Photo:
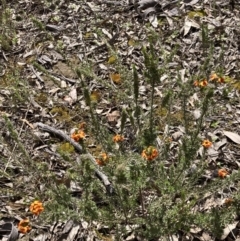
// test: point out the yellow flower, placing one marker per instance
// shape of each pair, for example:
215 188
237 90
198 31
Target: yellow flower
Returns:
102 160
150 153
206 143
77 136
36 207
23 226
222 173
118 138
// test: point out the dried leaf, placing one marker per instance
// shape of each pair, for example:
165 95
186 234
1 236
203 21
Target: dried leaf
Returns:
228 229
219 144
206 236
192 2
188 25
114 116
232 136
153 20
71 97
73 233
177 135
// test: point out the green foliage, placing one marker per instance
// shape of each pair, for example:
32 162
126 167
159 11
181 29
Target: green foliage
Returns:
38 23
7 30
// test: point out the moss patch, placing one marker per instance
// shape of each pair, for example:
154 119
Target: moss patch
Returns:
62 114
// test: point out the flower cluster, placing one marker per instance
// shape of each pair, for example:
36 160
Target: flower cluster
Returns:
36 207
150 153
204 82
23 226
222 173
206 143
78 135
118 138
103 159
215 77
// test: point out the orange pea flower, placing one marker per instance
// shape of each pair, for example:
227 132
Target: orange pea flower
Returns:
221 80
222 173
118 138
23 226
36 207
149 153
203 83
78 135
206 143
215 77
102 160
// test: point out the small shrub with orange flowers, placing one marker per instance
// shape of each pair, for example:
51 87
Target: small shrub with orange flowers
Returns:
159 182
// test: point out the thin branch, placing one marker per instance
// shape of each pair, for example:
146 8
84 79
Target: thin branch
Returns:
99 174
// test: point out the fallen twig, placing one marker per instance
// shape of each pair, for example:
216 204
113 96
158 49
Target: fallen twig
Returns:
36 73
99 174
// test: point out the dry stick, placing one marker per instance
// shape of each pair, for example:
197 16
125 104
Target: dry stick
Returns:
36 73
100 175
